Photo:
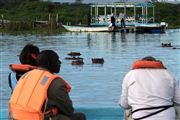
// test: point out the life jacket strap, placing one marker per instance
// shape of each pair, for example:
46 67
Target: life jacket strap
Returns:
51 112
151 108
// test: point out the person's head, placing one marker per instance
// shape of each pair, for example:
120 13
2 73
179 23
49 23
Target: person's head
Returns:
29 54
149 58
49 60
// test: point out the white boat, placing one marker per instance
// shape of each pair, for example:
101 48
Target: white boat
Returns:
99 22
150 27
79 28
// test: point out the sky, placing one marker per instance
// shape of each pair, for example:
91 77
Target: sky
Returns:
104 1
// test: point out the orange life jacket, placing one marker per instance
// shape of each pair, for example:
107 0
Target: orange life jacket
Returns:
19 70
139 64
21 67
30 94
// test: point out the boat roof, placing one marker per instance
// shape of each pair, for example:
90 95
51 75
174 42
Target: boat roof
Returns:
123 4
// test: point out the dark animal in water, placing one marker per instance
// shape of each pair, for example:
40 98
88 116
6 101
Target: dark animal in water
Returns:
73 58
166 45
98 60
77 62
74 54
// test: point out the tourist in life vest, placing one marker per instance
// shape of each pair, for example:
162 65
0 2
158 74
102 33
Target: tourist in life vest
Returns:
42 95
150 91
28 61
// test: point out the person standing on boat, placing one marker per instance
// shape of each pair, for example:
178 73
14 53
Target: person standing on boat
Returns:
151 91
113 21
122 19
42 95
28 61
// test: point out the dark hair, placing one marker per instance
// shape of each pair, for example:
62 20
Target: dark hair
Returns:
50 60
28 54
149 58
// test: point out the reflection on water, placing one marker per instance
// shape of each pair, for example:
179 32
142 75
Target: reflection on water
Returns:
123 37
93 85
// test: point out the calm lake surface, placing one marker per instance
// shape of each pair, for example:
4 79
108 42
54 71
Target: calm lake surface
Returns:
93 85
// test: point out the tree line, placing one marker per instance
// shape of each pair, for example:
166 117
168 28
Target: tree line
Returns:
27 11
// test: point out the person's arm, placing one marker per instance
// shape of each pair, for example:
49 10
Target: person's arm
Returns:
177 92
124 95
177 99
59 97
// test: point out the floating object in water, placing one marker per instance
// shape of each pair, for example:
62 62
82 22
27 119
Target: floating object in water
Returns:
74 54
73 58
98 60
166 45
176 48
77 62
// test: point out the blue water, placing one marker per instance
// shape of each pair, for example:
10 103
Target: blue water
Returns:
93 85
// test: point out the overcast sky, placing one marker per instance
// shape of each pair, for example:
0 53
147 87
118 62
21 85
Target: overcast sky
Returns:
103 1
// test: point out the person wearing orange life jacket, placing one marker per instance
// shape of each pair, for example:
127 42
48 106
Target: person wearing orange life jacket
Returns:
28 61
40 94
150 90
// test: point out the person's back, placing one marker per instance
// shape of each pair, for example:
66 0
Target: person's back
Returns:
27 58
150 91
151 88
113 20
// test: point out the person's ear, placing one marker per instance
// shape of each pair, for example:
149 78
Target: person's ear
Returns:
34 56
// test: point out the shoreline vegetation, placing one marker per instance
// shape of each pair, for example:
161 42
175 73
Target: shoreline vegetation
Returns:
37 17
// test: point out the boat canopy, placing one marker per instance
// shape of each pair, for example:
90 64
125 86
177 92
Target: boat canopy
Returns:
117 4
141 16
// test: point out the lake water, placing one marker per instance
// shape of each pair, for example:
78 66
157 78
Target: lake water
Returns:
93 85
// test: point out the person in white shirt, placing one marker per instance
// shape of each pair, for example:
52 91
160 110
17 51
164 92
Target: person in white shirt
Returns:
150 91
122 18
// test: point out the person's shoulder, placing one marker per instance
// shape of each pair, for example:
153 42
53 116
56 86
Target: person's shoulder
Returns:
56 84
171 74
129 73
134 72
58 81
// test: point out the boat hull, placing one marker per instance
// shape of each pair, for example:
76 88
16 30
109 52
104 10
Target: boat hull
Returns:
150 28
142 29
87 28
138 27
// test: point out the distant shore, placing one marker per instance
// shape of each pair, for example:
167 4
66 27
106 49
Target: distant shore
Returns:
24 13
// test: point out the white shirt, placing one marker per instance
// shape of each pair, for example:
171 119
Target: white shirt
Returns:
121 15
144 88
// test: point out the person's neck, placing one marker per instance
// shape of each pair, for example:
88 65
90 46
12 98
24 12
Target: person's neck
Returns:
43 68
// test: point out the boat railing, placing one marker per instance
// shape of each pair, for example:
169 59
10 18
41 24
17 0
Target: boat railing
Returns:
107 19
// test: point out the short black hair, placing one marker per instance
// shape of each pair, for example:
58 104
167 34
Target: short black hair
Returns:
47 59
26 54
149 58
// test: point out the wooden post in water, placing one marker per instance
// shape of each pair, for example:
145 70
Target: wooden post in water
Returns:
2 20
49 18
56 20
50 21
